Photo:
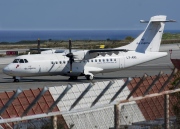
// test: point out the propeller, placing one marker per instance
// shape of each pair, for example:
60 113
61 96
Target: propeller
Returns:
70 56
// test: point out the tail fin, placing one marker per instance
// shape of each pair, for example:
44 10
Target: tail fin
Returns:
150 39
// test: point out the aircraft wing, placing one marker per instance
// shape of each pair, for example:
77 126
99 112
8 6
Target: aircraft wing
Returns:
89 54
107 50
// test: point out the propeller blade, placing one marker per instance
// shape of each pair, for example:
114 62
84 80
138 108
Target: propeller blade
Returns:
70 46
70 62
70 56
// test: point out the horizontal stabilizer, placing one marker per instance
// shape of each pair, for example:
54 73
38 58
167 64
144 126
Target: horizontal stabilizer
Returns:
143 21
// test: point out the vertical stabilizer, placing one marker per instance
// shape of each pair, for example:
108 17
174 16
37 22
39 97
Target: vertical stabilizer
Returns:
150 39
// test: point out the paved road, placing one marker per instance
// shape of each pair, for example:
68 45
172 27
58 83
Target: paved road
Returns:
151 68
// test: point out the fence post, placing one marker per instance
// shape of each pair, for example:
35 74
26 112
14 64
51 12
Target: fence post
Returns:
116 117
54 122
166 111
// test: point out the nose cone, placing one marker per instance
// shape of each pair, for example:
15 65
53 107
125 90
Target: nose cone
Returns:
6 70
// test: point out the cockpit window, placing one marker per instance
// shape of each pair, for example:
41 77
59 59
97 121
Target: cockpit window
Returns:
16 61
25 61
21 61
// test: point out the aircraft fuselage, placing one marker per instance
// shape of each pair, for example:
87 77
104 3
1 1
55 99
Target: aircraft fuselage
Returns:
58 64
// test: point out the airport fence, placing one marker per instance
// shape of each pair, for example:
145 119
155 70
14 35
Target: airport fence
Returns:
91 105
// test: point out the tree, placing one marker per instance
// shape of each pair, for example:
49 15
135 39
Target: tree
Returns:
129 38
176 95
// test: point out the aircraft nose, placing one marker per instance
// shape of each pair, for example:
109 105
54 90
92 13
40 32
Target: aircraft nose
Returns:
6 70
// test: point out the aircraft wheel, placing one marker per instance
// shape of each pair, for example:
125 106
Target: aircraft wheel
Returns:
73 78
89 77
16 80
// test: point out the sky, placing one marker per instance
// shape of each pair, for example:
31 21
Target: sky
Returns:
85 14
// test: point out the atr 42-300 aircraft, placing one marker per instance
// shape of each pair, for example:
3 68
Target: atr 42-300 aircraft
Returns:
89 62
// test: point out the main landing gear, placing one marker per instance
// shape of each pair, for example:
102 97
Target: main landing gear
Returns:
89 77
16 79
73 78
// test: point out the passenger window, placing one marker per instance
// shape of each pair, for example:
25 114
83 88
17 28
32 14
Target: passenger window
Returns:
99 60
56 62
51 62
64 62
114 59
16 61
107 60
59 62
25 61
21 61
95 60
110 59
91 60
103 60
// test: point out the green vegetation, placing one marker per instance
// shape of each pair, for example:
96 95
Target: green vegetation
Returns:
76 44
2 55
167 38
176 97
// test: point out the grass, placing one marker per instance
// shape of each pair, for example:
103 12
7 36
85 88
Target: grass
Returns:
78 44
167 38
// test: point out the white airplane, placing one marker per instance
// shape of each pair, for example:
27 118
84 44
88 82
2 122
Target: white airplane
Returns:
89 62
